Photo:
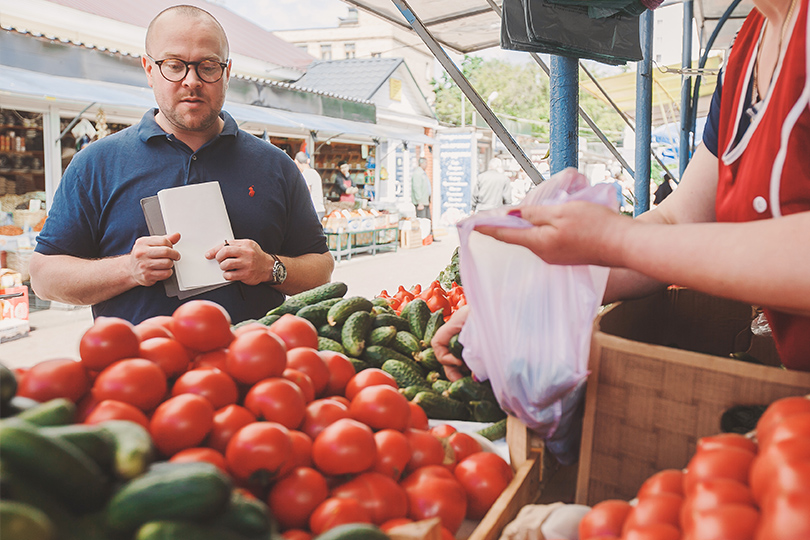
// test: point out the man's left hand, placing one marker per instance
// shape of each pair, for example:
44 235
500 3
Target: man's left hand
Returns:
242 260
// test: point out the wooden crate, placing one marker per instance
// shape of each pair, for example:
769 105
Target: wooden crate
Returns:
410 238
661 377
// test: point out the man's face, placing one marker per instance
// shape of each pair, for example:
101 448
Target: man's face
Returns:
345 169
189 105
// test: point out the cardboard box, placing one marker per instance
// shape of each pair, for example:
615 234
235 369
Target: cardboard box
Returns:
14 303
661 378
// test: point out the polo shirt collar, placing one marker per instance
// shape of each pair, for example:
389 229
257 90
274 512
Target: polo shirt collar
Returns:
149 128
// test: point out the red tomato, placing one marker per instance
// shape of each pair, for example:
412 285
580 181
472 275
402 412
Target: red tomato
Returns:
146 331
296 534
463 445
341 399
202 325
136 381
215 359
277 400
433 493
656 531
484 476
711 494
110 409
606 518
255 356
765 465
419 419
785 517
368 377
307 360
302 449
726 439
57 378
321 413
655 509
227 421
250 327
344 447
293 498
443 431
167 353
214 385
789 477
724 522
776 412
181 422
84 407
258 451
438 301
108 340
425 450
393 453
380 495
728 462
336 511
341 371
166 321
295 332
381 407
794 426
303 381
396 522
208 455
666 481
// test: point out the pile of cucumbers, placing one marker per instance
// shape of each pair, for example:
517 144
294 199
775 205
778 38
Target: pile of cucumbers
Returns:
373 335
60 480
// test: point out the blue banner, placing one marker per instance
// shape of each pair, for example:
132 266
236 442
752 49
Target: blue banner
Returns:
456 151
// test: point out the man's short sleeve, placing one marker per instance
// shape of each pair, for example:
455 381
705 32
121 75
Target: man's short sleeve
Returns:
713 119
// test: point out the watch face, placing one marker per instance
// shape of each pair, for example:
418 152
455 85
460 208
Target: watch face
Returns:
279 272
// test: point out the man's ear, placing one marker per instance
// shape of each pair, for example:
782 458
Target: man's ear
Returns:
147 68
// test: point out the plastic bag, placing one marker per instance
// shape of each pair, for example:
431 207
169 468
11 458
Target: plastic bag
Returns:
530 322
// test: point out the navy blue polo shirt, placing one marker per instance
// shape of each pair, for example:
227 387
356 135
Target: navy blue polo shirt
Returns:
96 210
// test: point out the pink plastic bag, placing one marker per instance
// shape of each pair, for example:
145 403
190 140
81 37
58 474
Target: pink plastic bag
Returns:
530 322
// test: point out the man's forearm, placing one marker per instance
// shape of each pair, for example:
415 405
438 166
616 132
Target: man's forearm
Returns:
76 281
306 272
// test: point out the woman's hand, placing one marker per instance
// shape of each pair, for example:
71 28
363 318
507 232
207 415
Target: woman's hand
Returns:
441 344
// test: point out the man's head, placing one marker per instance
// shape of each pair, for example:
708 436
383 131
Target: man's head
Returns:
423 162
189 34
343 165
494 164
302 161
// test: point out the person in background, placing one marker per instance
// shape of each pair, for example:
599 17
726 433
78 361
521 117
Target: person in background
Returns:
738 226
313 180
343 182
420 190
95 248
493 188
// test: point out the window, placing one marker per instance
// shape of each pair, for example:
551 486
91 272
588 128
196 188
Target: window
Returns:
326 51
395 89
376 55
303 47
350 50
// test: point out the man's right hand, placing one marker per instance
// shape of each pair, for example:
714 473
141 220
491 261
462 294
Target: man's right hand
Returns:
420 206
441 344
152 258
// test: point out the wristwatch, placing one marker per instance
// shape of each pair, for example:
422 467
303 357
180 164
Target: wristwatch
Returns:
279 272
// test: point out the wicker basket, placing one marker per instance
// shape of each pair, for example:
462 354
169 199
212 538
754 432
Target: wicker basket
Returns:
19 261
27 219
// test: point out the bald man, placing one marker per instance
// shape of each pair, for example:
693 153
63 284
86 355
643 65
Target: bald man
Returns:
96 248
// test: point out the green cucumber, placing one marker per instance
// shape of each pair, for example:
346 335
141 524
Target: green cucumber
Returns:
243 323
8 385
246 515
380 301
341 311
326 344
441 407
21 521
290 305
16 405
404 374
336 289
174 529
390 319
379 310
406 343
456 348
316 313
494 431
427 359
92 439
331 332
382 335
54 412
134 450
268 319
376 355
353 334
486 411
418 316
435 321
359 365
354 531
410 391
440 385
466 389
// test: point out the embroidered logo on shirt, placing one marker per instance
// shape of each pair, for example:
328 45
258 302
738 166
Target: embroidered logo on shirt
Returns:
251 191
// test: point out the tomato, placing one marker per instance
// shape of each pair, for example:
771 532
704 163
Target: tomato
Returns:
606 518
249 327
419 419
785 517
765 465
789 477
396 522
293 498
654 509
321 413
433 493
258 451
165 321
255 356
336 511
181 422
368 377
277 400
167 353
726 439
425 450
212 384
438 301
380 495
295 331
341 371
728 462
656 531
711 494
778 411
443 431
202 325
307 360
57 378
381 407
463 445
108 340
136 381
302 381
215 359
344 447
484 476
794 426
302 449
110 409
146 331
208 455
724 522
393 453
666 481
296 534
227 421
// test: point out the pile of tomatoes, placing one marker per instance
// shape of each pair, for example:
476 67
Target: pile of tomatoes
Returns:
292 425
733 488
435 296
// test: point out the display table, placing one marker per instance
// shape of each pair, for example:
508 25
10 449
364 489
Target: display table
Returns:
347 243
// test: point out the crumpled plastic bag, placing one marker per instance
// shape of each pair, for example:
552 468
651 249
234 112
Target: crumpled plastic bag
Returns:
530 322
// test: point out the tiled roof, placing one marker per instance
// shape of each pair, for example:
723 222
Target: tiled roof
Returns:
356 78
245 37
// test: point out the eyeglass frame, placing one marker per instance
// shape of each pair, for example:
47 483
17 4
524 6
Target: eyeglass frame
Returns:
159 64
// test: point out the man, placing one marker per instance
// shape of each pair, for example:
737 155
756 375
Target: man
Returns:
96 248
313 180
420 190
493 188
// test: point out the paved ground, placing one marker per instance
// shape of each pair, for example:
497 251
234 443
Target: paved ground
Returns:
56 332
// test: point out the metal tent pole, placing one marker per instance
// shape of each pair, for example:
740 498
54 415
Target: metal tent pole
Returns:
685 146
644 116
563 130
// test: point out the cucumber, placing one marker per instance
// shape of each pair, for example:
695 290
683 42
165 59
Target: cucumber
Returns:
290 305
427 359
466 389
456 348
354 531
379 310
336 289
246 515
380 301
359 365
486 411
494 431
406 343
418 316
16 405
134 450
316 313
243 323
441 407
92 439
53 462
267 320
411 391
353 334
390 319
168 529
404 374
331 332
54 412
376 355
435 321
174 491
440 385
21 521
382 335
341 311
8 385
326 344
19 487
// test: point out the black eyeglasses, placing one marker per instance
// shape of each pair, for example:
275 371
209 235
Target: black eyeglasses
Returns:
175 70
